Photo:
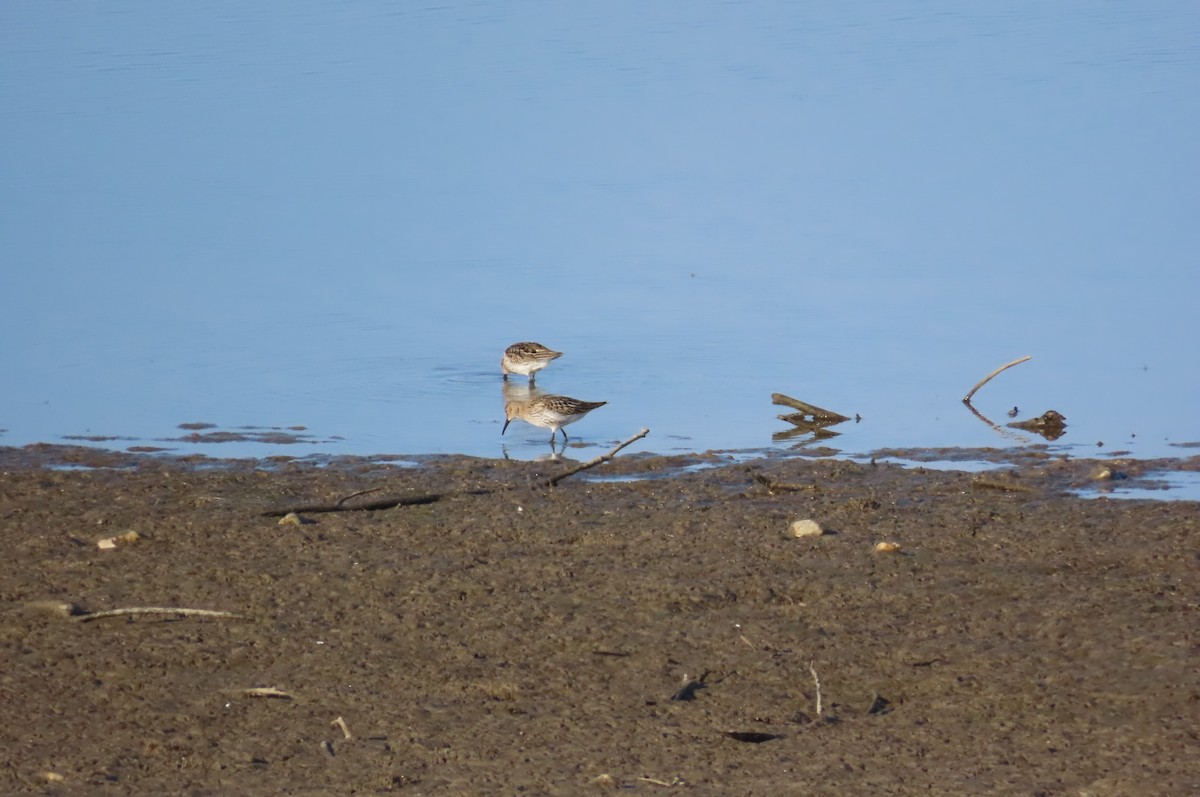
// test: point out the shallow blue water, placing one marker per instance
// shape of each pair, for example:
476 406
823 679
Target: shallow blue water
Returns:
336 216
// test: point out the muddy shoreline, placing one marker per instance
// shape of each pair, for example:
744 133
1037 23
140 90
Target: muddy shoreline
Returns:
512 638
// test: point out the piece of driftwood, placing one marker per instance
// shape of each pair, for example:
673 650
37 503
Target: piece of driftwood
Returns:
431 498
1051 425
808 412
989 377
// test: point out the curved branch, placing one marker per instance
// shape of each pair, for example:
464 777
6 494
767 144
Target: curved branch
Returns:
988 378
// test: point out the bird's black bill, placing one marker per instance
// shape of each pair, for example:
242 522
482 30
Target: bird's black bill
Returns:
506 423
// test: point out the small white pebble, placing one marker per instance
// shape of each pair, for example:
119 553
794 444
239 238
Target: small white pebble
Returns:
108 543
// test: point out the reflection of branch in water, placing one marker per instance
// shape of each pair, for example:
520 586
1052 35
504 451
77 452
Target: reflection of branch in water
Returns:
1050 425
989 377
1005 432
817 430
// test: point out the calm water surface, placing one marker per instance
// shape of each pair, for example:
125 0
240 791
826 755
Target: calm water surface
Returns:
335 216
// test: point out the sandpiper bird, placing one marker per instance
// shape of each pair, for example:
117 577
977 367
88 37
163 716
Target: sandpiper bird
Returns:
549 412
526 359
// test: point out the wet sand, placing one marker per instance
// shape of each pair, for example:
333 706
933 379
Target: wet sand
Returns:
512 638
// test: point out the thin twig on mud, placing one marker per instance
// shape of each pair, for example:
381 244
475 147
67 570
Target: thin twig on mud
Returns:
553 481
266 691
89 616
676 781
382 503
344 499
812 668
341 723
988 378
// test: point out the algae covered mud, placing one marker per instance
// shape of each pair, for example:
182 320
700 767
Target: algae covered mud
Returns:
652 625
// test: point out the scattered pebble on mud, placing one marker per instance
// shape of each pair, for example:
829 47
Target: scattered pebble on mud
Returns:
806 528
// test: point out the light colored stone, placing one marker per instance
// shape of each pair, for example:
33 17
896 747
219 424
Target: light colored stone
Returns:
805 528
108 543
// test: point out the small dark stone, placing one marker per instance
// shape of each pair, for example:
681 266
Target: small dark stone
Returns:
752 737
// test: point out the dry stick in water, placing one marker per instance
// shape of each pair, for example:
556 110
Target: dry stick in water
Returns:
84 618
988 378
805 408
551 482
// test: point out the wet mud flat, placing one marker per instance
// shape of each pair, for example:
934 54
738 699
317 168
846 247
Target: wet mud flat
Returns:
650 626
